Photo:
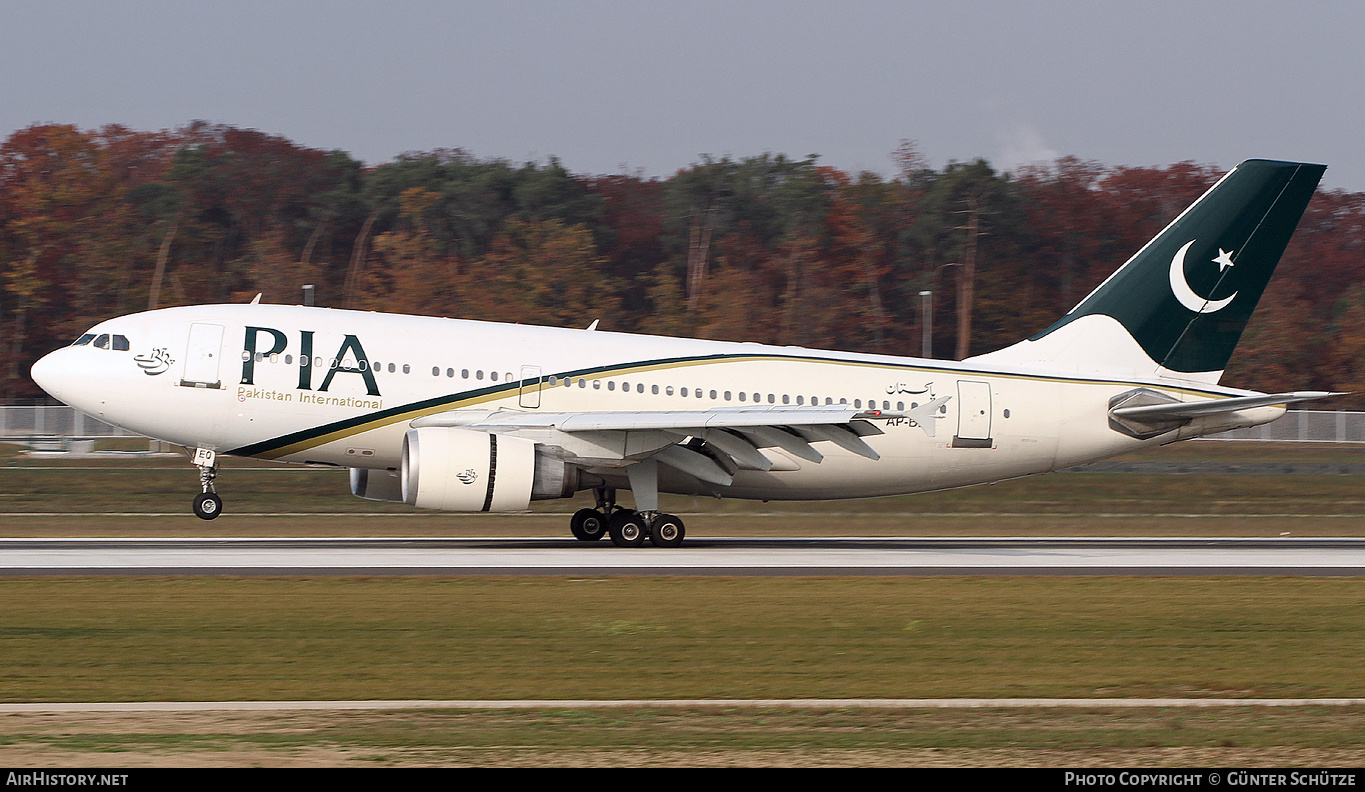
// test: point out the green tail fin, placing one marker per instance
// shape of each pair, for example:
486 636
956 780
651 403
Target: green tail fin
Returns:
1186 296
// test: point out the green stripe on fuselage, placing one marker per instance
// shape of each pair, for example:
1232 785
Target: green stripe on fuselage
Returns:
303 440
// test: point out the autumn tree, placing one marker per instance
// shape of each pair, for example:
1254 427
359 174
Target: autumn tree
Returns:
545 273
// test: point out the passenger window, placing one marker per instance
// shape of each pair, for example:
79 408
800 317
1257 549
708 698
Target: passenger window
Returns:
83 340
464 373
654 390
103 341
390 368
407 369
493 375
611 384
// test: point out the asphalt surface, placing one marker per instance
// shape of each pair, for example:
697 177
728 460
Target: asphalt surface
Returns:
699 556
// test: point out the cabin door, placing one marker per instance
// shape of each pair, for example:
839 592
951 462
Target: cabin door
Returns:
203 356
530 387
973 415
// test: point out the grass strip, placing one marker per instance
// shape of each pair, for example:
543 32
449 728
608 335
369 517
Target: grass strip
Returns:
222 638
1233 736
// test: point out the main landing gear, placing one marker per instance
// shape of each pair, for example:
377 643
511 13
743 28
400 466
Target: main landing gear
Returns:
207 504
626 527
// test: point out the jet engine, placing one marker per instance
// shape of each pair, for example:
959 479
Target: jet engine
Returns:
376 485
456 469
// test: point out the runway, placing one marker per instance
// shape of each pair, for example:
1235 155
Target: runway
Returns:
700 556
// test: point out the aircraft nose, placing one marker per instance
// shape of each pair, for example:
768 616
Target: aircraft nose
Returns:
48 373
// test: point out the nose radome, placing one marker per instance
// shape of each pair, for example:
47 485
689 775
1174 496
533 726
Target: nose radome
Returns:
47 372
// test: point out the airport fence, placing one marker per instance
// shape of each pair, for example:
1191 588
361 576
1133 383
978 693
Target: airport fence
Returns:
1305 426
55 428
60 426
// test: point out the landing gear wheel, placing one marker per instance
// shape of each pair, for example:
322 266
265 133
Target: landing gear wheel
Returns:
588 525
627 529
208 506
668 531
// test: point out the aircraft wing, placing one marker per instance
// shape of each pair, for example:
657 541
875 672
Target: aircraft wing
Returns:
708 444
1176 411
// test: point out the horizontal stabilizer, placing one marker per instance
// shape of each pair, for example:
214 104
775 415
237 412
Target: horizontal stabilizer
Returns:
1175 411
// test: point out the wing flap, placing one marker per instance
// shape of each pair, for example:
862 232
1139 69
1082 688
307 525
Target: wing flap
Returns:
709 445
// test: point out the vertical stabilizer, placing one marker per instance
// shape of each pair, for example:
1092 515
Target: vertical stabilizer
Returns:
1185 297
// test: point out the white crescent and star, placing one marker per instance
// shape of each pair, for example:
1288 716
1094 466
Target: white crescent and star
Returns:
1181 287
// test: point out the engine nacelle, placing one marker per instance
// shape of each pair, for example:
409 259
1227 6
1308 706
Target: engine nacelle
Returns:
456 469
376 485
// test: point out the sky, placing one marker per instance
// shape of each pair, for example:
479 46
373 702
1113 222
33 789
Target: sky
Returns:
632 87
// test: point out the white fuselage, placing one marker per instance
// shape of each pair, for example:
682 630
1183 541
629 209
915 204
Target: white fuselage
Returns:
189 377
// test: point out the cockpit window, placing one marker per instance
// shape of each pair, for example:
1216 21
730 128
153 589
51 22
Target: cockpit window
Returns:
120 343
83 340
103 341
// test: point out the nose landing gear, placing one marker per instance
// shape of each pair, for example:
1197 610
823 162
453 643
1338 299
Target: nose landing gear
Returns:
207 504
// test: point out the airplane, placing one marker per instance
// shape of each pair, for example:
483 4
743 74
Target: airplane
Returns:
469 416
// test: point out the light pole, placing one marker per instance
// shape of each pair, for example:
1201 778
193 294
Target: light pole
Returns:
926 324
